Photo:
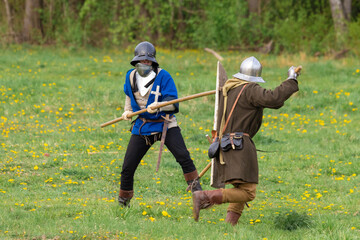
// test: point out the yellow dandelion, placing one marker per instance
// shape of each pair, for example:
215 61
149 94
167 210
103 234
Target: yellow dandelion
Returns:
165 214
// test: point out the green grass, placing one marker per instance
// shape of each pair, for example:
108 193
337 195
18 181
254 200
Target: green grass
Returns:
60 172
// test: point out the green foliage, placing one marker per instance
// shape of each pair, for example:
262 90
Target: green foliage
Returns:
293 26
354 36
300 26
291 220
224 25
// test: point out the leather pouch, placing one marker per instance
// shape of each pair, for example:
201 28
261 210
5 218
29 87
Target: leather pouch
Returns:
214 148
232 141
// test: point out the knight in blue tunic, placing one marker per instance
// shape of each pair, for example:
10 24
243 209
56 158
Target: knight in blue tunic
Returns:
146 86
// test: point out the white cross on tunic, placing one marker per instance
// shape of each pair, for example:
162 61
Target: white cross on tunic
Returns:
156 93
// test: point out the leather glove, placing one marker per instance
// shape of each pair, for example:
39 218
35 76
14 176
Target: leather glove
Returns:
124 115
154 104
292 74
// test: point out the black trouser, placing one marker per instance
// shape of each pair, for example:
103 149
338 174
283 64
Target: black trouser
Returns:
137 148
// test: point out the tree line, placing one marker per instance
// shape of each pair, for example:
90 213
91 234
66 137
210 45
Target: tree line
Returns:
316 27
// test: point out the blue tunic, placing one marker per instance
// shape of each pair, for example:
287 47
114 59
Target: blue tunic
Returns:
168 92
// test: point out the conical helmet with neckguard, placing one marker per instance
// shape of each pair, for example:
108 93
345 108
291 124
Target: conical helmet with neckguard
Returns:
250 70
144 51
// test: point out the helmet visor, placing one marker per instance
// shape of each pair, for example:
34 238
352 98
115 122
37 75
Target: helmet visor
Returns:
143 69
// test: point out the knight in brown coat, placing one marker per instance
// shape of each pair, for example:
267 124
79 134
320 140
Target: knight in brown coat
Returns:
238 165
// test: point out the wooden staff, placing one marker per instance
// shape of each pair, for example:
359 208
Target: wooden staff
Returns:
160 105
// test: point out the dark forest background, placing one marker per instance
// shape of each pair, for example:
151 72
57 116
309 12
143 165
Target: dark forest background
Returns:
270 26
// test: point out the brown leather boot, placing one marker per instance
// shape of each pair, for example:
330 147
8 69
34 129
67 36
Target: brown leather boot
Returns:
232 217
125 197
192 179
205 199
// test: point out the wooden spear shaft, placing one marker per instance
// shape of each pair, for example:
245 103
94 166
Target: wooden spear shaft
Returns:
297 70
161 105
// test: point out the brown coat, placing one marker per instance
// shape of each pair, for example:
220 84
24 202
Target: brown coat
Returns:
242 165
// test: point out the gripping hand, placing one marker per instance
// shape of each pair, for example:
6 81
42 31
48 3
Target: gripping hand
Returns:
292 74
124 115
149 108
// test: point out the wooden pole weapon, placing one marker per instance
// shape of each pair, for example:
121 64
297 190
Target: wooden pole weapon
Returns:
160 105
297 70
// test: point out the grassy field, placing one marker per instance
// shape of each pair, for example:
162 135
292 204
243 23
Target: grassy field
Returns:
60 172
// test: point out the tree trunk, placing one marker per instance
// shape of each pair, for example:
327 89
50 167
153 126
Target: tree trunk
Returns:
145 19
51 14
337 11
10 18
254 6
32 21
347 9
180 21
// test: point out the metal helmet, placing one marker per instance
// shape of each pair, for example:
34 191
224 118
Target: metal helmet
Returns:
144 51
250 70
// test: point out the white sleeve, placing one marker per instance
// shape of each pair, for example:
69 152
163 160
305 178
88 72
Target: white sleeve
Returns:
127 106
